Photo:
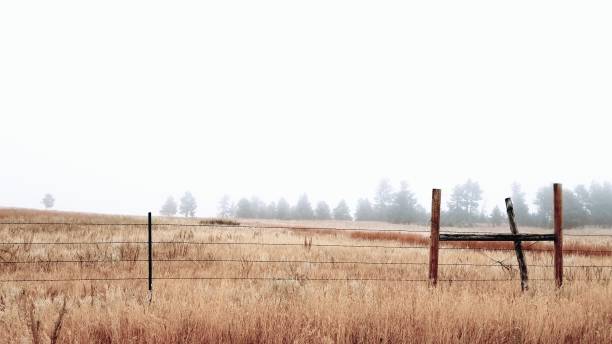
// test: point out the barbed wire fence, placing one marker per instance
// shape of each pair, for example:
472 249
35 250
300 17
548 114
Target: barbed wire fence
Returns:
151 243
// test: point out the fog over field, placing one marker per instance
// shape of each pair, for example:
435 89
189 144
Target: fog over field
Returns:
287 151
114 107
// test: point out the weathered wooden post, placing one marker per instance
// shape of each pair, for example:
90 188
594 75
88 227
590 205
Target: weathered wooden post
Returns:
434 237
558 224
517 246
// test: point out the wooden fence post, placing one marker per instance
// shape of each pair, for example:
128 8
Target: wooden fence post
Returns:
434 237
558 224
150 246
517 246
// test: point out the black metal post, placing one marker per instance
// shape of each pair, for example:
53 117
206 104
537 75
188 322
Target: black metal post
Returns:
150 258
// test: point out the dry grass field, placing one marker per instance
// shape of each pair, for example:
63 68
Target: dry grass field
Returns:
315 290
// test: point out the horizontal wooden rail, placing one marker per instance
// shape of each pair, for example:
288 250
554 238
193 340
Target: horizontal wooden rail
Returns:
497 237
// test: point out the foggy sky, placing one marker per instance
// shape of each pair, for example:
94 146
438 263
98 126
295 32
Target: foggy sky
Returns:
114 106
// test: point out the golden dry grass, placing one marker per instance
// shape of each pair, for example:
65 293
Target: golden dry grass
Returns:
295 310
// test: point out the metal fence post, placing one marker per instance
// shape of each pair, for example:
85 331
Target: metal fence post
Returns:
434 236
150 245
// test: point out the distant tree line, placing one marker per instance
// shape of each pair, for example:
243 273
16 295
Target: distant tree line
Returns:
397 206
282 210
583 206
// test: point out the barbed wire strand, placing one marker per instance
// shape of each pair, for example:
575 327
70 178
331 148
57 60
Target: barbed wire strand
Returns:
281 279
211 243
215 225
292 244
91 224
199 260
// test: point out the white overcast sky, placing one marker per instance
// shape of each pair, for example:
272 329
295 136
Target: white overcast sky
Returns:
111 106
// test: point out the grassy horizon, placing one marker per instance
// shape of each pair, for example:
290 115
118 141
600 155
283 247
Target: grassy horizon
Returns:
303 308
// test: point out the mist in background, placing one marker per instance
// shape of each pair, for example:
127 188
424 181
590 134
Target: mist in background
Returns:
113 107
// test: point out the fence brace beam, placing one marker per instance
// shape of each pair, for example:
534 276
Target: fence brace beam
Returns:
496 237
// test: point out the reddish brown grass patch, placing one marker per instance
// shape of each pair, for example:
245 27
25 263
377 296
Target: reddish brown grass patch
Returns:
422 240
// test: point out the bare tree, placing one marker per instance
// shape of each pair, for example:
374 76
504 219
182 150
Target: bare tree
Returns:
225 207
383 200
188 205
169 207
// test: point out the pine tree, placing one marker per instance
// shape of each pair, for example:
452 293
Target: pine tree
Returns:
543 201
322 212
244 209
303 209
364 211
600 204
283 209
342 212
521 209
258 208
403 208
464 203
270 212
496 216
574 213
